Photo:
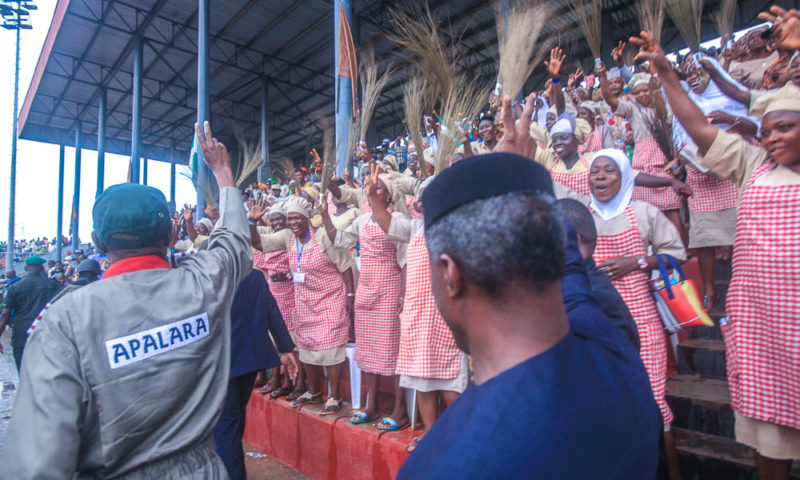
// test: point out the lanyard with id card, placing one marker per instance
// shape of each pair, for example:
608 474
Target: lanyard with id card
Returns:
298 276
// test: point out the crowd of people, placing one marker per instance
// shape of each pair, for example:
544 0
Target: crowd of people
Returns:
516 280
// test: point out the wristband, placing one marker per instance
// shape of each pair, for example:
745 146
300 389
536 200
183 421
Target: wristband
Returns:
556 80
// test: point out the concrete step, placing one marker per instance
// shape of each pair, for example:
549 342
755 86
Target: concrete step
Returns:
701 404
711 457
703 356
698 389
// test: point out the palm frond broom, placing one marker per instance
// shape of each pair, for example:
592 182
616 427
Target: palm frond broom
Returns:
687 17
724 17
589 15
651 17
519 46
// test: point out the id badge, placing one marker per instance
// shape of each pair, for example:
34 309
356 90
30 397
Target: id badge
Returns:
298 277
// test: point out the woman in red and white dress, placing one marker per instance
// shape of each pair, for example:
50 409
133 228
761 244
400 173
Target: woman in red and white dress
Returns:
762 338
275 266
647 156
601 136
378 300
567 167
324 291
429 361
625 230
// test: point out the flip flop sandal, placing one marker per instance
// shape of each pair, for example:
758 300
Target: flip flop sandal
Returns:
331 406
283 391
308 399
268 388
361 417
294 395
392 424
413 445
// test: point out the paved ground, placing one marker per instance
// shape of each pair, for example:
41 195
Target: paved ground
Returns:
261 466
8 384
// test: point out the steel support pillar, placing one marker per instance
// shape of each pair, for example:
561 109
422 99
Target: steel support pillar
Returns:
60 214
136 120
172 205
344 95
76 193
101 143
144 171
203 27
265 170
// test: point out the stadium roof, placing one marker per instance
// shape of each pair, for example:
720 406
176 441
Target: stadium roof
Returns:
290 42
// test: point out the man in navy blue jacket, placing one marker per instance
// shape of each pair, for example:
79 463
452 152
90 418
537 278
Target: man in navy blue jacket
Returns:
254 313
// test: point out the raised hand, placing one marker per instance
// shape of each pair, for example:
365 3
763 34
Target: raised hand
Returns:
215 155
651 51
785 27
187 212
557 57
371 188
517 138
616 53
258 209
315 155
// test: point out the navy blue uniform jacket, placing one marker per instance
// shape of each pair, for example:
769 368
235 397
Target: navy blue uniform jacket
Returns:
254 314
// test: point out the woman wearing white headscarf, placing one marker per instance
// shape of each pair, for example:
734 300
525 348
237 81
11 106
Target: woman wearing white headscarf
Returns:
567 166
625 230
647 155
763 301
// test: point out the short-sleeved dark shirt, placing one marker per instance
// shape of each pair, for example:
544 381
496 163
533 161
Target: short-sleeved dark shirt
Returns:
26 298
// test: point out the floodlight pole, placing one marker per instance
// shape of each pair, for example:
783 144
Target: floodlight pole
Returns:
12 189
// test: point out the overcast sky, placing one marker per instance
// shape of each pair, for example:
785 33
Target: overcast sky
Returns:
37 163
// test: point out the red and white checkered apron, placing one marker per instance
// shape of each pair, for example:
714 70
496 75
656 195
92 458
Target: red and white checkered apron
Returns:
321 320
649 159
365 206
380 285
410 202
635 291
763 339
711 193
427 346
278 263
577 182
593 143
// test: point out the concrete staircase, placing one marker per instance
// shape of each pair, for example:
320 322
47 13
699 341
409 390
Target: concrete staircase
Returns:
699 398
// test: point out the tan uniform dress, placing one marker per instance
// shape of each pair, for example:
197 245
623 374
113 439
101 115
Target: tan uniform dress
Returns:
126 377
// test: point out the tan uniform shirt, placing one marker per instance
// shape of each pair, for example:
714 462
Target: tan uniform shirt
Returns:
750 73
349 237
281 241
638 117
127 375
654 227
732 158
346 219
